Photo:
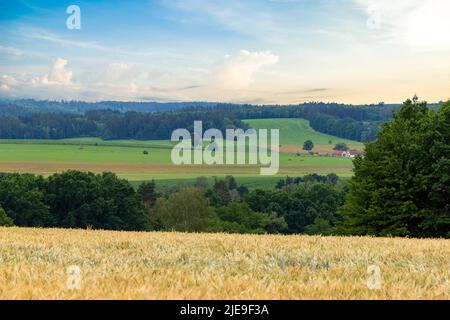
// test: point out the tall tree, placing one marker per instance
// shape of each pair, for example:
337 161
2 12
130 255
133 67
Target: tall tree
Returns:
402 185
147 192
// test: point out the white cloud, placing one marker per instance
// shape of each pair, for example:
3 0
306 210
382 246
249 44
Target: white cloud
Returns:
8 80
237 71
255 18
417 23
58 75
49 37
11 51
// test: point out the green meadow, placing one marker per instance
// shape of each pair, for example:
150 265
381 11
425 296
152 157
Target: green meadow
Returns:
297 131
128 159
60 151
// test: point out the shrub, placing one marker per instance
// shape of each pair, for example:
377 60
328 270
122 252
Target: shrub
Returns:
5 221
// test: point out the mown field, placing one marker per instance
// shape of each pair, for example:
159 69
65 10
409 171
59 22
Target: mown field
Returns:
297 131
126 158
36 264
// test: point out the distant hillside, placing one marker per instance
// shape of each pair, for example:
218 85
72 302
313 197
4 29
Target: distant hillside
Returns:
27 106
356 112
43 119
296 131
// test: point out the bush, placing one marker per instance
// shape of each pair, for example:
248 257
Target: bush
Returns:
341 147
239 216
5 221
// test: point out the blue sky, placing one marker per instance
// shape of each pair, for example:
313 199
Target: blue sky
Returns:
258 51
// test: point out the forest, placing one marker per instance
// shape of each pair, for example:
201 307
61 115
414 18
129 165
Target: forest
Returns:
30 119
77 199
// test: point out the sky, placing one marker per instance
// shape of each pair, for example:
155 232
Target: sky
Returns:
245 51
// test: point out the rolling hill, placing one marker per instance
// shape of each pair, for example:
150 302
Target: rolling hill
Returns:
297 131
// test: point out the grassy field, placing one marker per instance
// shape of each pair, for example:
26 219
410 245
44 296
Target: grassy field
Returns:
34 264
297 131
92 141
126 158
132 164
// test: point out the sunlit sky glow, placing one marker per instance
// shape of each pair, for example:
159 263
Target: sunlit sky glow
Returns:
255 51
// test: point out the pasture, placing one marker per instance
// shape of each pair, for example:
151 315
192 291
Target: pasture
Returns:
296 131
40 264
132 164
127 158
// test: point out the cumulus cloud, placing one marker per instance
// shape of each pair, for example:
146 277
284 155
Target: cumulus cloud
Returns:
418 23
56 84
59 75
237 71
7 82
230 79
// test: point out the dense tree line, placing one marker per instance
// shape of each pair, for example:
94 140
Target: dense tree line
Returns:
356 112
109 124
72 200
379 112
102 201
29 106
122 120
345 128
140 120
360 123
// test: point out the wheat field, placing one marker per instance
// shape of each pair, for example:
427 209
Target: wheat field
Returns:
87 264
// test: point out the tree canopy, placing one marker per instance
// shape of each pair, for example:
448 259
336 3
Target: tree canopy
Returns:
402 185
308 145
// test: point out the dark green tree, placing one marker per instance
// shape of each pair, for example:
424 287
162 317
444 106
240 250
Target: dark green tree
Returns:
101 201
147 192
308 145
231 181
340 146
402 185
22 198
220 194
